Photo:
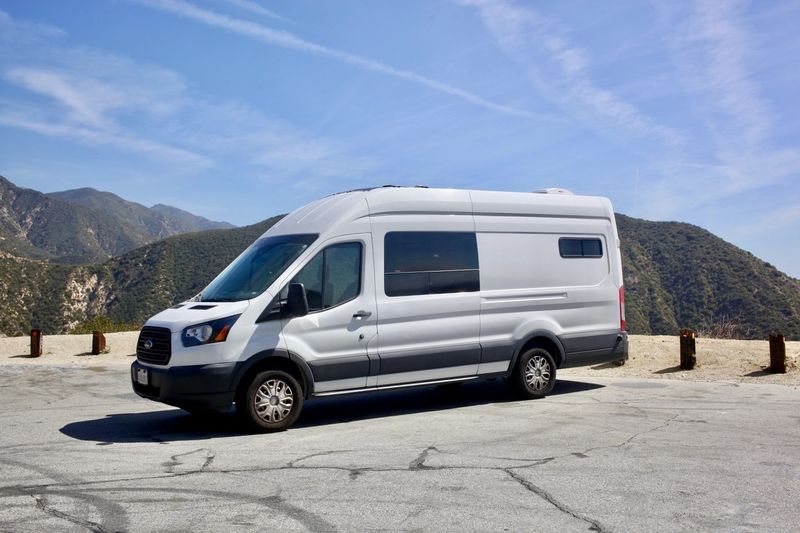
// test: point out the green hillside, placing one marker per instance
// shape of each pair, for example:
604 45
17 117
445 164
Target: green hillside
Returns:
129 288
676 275
29 294
152 278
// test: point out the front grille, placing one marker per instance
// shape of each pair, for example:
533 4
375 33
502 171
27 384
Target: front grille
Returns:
161 349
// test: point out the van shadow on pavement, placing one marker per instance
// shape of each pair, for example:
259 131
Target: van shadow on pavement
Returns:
176 425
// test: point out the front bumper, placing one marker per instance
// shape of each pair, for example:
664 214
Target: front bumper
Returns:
187 387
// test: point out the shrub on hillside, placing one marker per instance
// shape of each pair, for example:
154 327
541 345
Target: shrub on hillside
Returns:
104 324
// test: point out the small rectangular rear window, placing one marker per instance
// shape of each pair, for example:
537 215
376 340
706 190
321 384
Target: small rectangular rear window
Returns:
570 247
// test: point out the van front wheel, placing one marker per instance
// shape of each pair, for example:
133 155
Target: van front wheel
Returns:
535 374
271 402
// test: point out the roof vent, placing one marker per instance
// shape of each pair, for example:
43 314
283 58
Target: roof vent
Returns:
553 190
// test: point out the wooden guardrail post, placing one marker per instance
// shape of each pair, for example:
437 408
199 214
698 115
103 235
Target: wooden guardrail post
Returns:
688 359
98 342
777 354
36 342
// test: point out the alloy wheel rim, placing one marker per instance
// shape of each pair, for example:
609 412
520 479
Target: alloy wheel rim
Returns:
537 373
274 400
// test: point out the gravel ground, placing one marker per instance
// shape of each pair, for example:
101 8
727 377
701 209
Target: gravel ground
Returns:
650 357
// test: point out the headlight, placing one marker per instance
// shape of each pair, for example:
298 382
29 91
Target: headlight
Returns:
208 332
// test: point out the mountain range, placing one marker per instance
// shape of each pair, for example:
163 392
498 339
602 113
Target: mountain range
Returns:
676 276
84 225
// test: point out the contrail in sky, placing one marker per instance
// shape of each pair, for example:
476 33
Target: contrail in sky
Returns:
288 40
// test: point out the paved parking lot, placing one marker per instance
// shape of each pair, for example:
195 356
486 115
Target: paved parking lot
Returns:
79 451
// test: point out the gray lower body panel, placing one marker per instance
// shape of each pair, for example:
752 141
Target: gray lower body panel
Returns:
594 348
429 360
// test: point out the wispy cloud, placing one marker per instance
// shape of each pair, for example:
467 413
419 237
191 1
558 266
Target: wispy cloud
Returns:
254 7
288 40
86 100
94 87
22 119
714 49
26 31
273 149
560 69
97 99
785 217
714 52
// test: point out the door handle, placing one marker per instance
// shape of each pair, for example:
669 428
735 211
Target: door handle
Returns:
362 314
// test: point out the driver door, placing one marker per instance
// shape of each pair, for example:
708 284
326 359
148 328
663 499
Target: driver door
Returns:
333 337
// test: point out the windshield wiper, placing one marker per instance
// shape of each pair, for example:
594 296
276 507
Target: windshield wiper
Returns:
220 300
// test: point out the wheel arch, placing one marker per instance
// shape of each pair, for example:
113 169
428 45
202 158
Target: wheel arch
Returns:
542 338
275 360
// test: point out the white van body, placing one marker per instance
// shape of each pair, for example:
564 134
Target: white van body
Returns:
545 271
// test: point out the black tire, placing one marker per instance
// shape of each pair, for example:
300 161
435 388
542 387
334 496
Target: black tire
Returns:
276 412
535 373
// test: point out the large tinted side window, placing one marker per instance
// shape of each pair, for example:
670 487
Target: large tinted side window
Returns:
333 276
430 262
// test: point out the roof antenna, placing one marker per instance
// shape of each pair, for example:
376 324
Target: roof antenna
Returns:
553 190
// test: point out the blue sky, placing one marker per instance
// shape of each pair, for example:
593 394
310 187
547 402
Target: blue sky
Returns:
240 109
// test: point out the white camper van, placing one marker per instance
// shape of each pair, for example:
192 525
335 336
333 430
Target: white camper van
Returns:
395 287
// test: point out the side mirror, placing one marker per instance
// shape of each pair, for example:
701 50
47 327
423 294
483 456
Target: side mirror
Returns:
296 301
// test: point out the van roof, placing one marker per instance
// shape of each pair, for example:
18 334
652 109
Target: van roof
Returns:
322 216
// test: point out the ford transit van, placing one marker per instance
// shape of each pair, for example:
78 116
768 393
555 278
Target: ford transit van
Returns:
395 287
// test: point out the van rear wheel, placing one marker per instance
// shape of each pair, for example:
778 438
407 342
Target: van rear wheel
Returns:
271 402
535 374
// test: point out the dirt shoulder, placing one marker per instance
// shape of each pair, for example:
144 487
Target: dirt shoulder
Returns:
70 350
650 357
717 360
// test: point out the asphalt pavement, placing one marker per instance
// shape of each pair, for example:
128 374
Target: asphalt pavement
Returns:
79 451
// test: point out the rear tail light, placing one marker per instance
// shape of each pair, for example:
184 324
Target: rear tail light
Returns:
622 308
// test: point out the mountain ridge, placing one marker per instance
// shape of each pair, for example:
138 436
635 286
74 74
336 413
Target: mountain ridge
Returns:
84 225
159 221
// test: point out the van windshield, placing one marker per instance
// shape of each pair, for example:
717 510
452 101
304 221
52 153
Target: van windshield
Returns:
255 270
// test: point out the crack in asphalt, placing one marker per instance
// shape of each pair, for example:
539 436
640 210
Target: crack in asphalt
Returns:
41 504
175 462
281 505
629 439
419 462
318 454
110 512
594 525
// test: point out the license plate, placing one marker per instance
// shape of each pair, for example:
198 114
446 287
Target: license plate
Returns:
141 376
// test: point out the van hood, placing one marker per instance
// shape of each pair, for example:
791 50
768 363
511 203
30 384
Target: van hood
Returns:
185 314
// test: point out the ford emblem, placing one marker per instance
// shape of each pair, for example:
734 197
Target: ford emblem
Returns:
148 344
